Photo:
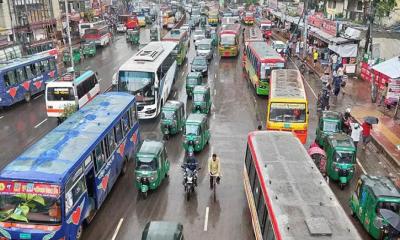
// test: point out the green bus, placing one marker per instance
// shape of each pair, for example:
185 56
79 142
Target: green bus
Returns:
182 38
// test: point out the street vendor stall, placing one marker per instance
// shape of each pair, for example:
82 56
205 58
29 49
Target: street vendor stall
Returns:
388 72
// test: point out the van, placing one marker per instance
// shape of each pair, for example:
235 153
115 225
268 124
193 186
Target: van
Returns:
205 48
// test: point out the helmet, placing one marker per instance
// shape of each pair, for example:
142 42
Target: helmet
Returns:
348 110
356 125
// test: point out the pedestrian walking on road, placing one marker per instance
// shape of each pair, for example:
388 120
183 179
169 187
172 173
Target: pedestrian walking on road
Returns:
337 83
315 56
356 131
366 133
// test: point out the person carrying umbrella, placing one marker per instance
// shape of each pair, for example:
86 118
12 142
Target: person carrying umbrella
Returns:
367 127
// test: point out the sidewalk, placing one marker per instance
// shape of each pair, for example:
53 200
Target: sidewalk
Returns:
385 134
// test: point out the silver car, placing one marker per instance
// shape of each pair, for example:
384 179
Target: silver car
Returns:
205 48
198 35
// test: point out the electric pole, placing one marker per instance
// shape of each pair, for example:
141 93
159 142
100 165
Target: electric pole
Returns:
69 37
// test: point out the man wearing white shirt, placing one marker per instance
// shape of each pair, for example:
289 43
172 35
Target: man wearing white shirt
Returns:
356 131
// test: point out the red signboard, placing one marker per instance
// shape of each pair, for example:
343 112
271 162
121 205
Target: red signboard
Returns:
9 187
318 21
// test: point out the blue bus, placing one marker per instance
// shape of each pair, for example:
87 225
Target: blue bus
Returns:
23 77
59 183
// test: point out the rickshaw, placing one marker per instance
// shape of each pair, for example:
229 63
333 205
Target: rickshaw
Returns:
329 123
132 36
214 36
89 49
172 118
154 34
163 230
318 155
76 55
152 166
372 194
197 133
193 79
341 158
201 99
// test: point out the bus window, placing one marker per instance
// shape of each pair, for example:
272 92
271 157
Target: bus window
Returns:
10 79
29 72
60 94
133 116
111 141
118 132
125 123
74 194
45 66
52 65
99 157
21 76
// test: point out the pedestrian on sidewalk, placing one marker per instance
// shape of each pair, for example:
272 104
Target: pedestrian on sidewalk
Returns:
315 56
383 94
366 133
356 131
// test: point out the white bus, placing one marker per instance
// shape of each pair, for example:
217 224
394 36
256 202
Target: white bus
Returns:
68 91
149 75
83 26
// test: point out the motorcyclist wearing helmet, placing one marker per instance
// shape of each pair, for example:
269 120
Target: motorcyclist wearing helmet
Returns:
191 164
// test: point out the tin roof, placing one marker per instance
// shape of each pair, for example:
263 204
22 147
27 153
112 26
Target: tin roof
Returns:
381 186
59 153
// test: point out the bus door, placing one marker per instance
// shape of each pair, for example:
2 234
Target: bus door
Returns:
90 180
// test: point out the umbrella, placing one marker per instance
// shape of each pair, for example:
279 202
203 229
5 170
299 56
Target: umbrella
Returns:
371 120
392 218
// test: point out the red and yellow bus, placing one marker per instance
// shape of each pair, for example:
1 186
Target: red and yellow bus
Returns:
248 18
259 60
266 28
228 44
288 105
287 196
252 34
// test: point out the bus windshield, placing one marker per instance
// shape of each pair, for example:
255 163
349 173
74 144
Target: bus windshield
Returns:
227 39
140 84
265 27
30 208
60 94
91 31
288 112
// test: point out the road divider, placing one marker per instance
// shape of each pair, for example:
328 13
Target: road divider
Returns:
38 125
206 219
117 229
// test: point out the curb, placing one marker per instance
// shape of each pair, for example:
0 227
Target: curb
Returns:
382 149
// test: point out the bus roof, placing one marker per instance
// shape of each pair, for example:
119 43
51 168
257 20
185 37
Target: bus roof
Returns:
287 83
173 35
54 157
253 34
381 186
5 65
265 53
230 29
149 58
303 205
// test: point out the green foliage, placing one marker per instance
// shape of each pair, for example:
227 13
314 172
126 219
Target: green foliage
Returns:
68 110
339 16
384 7
20 212
89 15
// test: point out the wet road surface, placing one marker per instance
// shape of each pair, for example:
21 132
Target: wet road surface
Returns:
236 111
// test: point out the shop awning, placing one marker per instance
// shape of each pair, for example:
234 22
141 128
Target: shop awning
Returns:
326 37
390 68
345 50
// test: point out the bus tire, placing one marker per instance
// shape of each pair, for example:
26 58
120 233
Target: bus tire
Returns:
27 97
79 232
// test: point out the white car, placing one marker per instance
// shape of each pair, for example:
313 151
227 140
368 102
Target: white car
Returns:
121 27
185 27
279 46
198 35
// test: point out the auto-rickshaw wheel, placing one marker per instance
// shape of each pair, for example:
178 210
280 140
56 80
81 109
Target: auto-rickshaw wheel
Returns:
144 195
27 97
341 185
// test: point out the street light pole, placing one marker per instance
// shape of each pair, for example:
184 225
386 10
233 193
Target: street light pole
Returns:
69 36
305 46
159 20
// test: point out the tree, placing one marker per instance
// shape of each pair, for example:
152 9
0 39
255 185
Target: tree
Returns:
384 7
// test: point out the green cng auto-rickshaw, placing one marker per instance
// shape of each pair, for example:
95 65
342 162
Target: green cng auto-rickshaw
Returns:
370 196
153 34
197 133
132 36
193 79
163 230
328 124
341 158
172 118
76 55
201 99
152 166
89 49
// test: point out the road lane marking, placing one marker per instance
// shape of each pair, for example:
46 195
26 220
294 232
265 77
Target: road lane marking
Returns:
38 96
206 219
215 92
174 94
362 168
87 67
213 115
215 76
1 117
37 125
182 74
117 229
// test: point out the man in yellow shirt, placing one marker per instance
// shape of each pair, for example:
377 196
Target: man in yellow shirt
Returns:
214 168
315 56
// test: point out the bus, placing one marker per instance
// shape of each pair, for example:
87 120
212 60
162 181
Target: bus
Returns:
266 28
182 39
287 196
67 90
252 34
228 44
287 106
58 184
83 26
259 60
149 75
43 47
23 77
131 22
100 35
248 18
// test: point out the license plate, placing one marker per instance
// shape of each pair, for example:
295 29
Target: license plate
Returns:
25 236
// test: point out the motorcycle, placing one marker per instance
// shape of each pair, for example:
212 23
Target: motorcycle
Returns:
189 180
323 101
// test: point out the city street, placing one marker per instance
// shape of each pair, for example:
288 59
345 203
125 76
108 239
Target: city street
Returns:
236 111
